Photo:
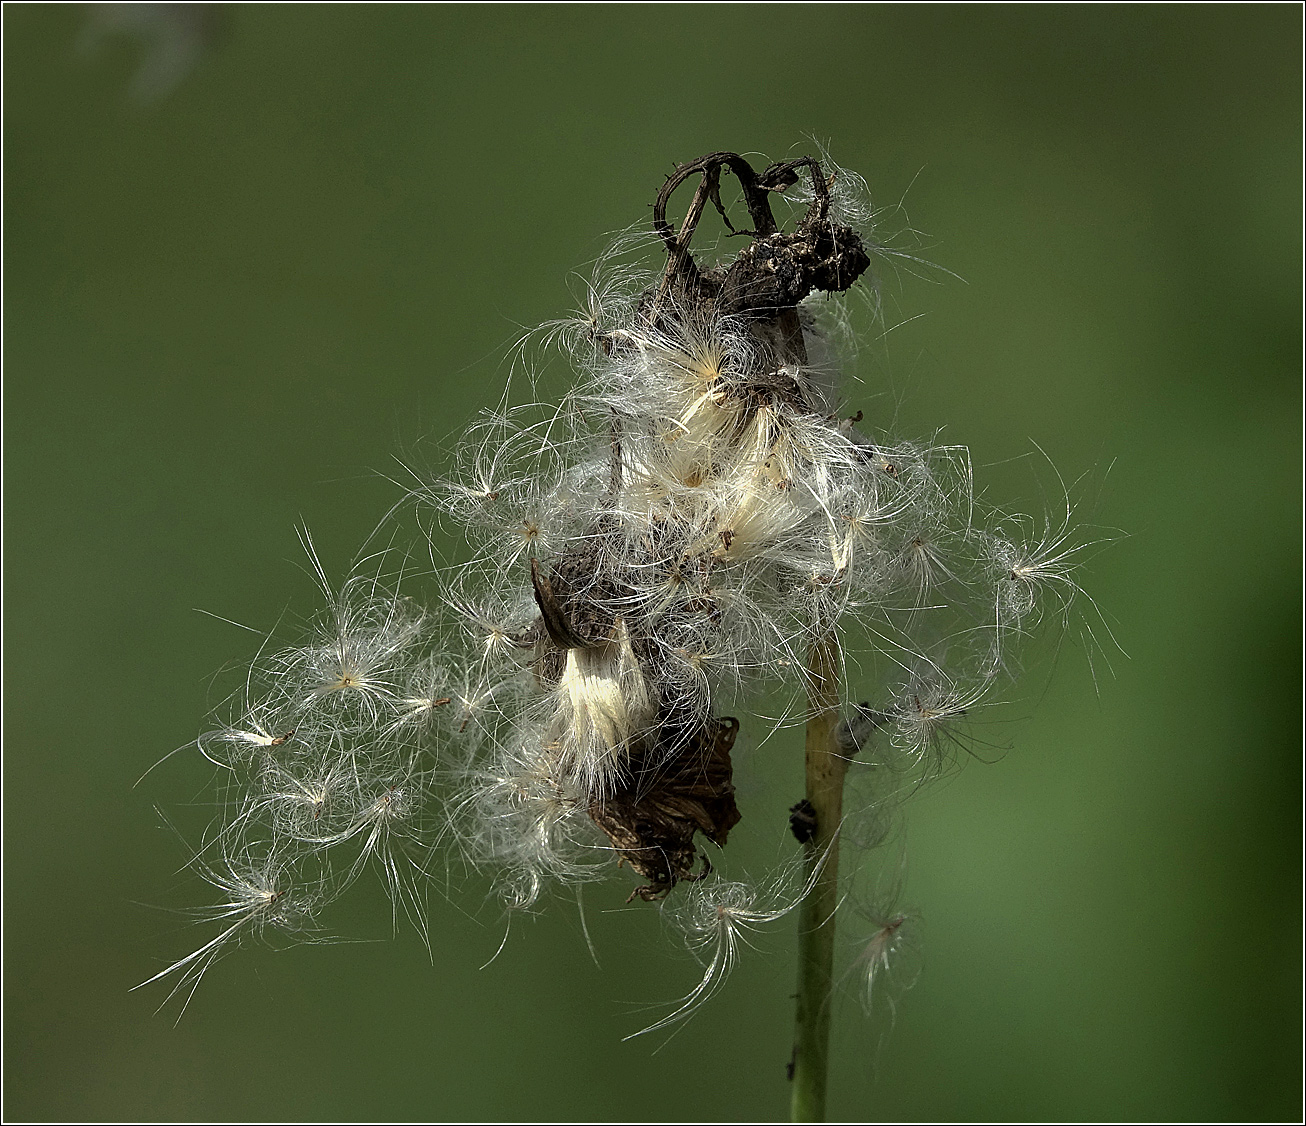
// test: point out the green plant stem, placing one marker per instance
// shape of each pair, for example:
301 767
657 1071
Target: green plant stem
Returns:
816 919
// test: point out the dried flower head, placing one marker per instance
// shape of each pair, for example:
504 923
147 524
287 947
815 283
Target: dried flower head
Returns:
670 542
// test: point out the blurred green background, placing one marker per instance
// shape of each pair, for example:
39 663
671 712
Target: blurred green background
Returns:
237 290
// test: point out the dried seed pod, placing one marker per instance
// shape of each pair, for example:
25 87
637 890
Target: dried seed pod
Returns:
652 820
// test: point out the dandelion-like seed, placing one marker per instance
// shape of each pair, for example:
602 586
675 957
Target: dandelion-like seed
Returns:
879 959
716 917
258 894
698 524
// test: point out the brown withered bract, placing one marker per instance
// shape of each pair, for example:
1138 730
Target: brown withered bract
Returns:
652 823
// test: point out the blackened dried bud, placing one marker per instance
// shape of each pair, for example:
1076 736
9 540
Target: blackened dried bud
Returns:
652 819
857 727
780 271
802 821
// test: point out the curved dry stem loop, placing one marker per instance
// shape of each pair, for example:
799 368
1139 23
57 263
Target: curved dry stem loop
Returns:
777 177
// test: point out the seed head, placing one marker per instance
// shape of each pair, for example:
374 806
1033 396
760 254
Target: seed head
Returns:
647 559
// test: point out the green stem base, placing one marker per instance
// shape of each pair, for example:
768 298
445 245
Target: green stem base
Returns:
816 919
